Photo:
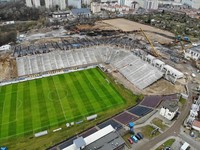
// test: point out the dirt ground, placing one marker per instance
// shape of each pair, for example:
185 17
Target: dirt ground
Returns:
153 33
98 25
8 67
164 87
161 87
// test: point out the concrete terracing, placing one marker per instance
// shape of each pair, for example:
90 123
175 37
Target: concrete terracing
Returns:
137 71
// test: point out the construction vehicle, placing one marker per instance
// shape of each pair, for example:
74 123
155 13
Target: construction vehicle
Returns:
153 50
185 39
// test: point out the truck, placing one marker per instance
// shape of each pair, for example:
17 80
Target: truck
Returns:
185 146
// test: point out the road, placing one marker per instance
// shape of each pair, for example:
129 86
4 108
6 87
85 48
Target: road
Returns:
174 130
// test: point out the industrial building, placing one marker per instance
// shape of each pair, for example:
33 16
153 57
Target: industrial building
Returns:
104 139
169 109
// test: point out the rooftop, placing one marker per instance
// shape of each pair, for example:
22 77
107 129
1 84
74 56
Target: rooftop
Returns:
196 123
171 105
195 48
175 71
79 142
93 137
108 142
80 11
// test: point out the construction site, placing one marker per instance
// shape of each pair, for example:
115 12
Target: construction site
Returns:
144 59
103 42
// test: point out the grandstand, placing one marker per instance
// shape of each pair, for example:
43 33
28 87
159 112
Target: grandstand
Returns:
137 71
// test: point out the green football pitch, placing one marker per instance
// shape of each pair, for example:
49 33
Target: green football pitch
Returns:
36 105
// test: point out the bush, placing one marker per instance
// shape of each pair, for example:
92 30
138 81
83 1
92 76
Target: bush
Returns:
7 37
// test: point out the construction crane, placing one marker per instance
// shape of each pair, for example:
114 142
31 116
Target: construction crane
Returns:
185 39
153 51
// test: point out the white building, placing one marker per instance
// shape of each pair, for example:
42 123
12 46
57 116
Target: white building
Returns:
29 3
169 109
193 3
150 4
36 3
62 4
193 53
146 4
5 47
48 3
171 2
95 7
121 2
86 2
93 137
155 62
60 14
74 3
172 71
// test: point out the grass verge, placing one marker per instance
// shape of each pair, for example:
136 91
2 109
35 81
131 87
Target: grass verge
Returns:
168 143
125 137
158 122
147 131
182 101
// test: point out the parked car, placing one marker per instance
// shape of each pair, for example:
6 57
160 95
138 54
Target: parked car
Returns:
137 137
134 139
130 140
140 135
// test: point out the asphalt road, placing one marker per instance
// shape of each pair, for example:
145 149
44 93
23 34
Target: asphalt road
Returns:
174 130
